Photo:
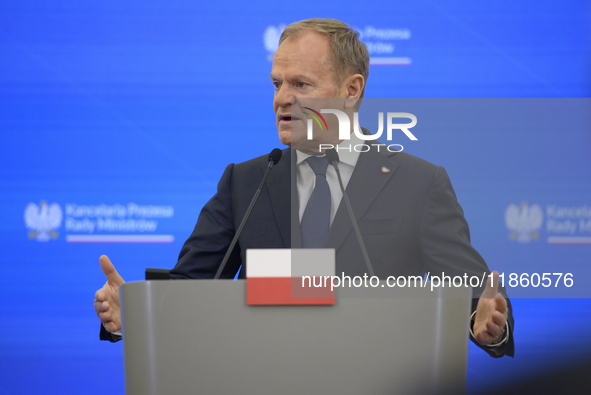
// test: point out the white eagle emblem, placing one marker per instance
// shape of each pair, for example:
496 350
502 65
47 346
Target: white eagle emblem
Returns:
42 220
524 222
271 39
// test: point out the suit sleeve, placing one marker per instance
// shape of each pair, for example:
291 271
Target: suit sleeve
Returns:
446 248
106 335
204 250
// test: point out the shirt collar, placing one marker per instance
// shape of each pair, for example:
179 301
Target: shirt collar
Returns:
347 155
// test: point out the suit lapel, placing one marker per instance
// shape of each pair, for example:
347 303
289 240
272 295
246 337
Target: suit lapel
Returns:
279 188
365 184
296 230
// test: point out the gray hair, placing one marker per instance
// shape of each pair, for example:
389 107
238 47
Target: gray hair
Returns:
348 54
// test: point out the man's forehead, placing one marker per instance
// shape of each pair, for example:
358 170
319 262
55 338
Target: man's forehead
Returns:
299 71
309 51
307 39
303 48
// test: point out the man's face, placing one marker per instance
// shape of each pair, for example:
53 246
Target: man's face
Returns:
301 69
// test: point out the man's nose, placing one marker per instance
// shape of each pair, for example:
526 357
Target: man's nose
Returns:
283 96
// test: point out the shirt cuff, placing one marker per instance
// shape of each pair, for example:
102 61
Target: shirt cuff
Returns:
116 333
500 342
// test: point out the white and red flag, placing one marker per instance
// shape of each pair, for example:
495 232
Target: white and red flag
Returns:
286 276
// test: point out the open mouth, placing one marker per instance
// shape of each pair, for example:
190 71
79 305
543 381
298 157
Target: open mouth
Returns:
288 119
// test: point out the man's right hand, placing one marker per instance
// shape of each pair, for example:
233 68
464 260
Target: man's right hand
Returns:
106 299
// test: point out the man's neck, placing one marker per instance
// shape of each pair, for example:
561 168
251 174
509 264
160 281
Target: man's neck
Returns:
345 149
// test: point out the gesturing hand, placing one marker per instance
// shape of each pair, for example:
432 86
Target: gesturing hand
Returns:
491 314
106 299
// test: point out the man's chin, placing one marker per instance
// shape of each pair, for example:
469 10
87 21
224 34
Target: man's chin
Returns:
298 141
285 137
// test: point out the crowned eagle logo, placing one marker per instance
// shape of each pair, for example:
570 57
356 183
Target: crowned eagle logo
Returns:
524 221
42 220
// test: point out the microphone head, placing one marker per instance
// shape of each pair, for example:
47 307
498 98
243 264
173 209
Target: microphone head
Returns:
275 155
332 155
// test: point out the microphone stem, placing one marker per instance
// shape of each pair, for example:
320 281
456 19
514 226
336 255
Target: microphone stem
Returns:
357 232
239 231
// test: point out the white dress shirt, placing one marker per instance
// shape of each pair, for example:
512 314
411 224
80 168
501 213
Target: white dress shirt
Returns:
307 181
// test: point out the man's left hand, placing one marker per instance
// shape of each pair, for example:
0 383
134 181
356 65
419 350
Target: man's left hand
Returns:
491 314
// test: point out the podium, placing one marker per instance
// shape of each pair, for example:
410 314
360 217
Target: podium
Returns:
200 337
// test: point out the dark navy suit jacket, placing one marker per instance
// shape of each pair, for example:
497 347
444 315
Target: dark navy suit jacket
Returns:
409 217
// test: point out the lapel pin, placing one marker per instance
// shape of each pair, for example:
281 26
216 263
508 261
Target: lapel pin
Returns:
385 169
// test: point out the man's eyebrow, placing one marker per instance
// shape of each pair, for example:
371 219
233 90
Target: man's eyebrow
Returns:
297 77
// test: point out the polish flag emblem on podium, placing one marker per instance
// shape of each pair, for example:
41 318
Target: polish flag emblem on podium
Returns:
290 276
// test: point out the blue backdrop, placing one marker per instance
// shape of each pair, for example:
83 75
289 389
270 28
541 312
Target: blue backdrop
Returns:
118 118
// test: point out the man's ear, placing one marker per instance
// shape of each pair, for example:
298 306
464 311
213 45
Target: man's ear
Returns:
353 86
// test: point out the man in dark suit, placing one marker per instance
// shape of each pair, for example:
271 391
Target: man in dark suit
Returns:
406 208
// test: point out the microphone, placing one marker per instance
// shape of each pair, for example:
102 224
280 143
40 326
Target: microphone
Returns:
273 158
333 159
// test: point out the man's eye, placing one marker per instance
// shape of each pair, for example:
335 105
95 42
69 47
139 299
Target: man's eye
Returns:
276 85
301 84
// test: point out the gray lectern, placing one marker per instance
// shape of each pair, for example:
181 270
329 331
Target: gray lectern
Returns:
200 337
